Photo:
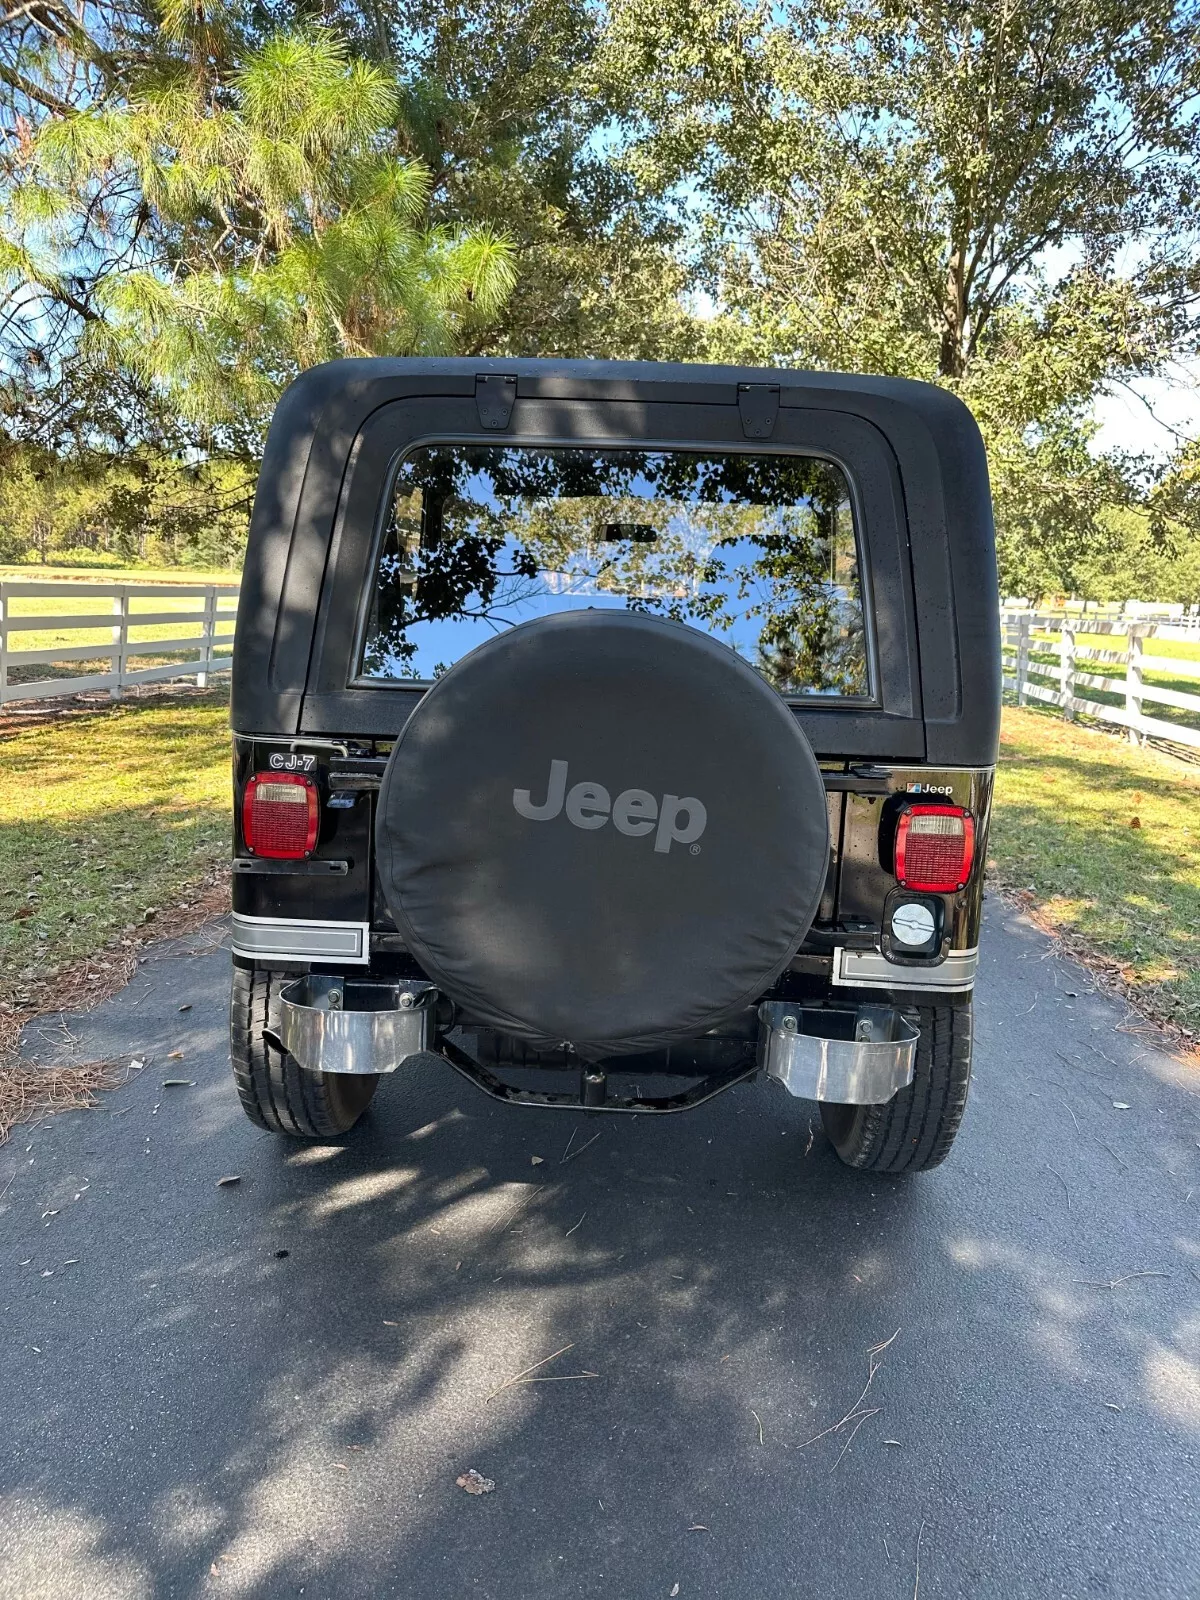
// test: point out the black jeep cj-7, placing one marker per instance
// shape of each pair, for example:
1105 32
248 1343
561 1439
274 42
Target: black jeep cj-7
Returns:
615 732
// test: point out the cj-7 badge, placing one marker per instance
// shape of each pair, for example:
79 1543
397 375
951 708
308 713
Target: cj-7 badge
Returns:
635 812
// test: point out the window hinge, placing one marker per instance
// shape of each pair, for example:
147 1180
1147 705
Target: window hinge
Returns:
494 396
759 406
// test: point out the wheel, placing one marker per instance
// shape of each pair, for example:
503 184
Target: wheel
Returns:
275 1091
914 1130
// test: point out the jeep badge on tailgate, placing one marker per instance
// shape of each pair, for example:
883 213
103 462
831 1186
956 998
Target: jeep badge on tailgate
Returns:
634 812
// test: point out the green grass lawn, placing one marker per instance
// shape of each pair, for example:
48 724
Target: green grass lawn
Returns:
104 571
110 816
106 818
1107 838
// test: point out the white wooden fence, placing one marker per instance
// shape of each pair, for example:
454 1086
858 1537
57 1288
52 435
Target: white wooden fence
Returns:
1050 658
200 617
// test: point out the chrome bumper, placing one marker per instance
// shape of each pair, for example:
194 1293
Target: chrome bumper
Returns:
859 1057
334 1024
855 1056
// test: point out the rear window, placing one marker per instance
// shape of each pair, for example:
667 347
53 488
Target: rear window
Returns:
761 551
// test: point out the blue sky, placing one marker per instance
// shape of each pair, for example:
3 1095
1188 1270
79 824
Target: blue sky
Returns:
1127 418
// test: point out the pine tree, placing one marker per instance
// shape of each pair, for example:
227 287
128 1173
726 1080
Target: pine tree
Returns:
268 219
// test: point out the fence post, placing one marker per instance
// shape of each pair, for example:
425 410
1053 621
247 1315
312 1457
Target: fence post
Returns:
207 634
1024 631
1066 652
120 639
1133 682
3 642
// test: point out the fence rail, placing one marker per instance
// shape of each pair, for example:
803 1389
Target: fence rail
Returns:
1049 658
190 638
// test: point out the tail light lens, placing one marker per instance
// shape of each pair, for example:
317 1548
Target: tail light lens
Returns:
935 846
280 815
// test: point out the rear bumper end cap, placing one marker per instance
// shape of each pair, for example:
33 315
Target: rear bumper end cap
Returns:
333 1024
861 1056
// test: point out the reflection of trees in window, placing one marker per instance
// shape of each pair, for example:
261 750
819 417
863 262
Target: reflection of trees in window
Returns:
429 571
757 549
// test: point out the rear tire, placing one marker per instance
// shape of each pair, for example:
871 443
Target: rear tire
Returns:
276 1092
914 1130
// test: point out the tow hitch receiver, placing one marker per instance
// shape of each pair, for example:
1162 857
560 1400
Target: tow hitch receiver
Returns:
857 1057
335 1024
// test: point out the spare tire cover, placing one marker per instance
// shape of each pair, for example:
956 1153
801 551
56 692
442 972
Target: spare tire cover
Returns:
602 828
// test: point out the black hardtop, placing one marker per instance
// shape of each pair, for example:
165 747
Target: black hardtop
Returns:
914 450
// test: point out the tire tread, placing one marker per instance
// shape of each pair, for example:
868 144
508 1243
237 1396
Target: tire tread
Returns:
915 1129
276 1092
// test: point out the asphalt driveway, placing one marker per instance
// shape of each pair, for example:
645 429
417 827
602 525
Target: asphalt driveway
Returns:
269 1388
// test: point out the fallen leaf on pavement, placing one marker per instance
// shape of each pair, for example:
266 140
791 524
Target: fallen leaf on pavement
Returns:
475 1483
179 1083
175 1055
536 1161
1120 1105
224 1183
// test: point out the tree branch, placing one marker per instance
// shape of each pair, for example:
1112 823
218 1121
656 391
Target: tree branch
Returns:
34 91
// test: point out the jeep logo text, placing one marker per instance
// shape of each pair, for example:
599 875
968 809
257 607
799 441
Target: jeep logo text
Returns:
635 812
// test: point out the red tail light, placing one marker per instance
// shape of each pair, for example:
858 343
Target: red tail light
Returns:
935 846
280 815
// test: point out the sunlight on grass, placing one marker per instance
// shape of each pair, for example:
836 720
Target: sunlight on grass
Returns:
1106 837
97 569
107 819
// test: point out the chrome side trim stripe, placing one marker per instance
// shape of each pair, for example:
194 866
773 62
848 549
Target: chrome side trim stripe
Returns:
293 939
870 969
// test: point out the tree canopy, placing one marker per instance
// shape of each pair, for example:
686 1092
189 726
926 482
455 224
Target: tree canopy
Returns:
266 220
197 200
1002 198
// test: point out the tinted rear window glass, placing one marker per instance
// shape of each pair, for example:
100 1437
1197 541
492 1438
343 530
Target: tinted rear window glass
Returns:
760 551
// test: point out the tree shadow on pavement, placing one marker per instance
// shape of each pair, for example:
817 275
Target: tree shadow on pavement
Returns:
271 1388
